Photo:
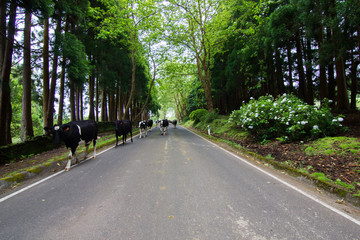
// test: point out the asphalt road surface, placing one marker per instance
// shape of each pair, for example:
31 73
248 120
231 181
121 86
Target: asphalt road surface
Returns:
177 186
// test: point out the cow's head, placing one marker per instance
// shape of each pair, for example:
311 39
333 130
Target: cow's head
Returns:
57 131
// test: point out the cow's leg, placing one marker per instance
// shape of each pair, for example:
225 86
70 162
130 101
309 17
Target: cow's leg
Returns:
94 144
124 138
71 157
131 136
116 139
86 149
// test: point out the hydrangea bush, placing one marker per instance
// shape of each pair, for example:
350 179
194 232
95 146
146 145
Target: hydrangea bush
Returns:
287 118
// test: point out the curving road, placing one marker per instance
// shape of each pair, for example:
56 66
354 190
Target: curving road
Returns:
177 186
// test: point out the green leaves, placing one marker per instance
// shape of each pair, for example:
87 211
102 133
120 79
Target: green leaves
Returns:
78 66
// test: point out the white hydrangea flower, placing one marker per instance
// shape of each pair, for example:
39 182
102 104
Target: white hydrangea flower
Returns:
315 127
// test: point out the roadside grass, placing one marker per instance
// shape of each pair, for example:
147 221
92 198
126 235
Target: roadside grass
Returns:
333 145
102 142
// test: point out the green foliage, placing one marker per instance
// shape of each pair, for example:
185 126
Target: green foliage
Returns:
78 66
345 185
196 98
286 118
333 145
211 116
197 115
321 177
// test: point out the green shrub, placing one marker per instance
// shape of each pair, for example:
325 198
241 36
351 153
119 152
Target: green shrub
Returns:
210 116
287 118
197 115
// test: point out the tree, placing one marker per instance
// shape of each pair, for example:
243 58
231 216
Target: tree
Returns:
193 29
26 121
6 51
131 19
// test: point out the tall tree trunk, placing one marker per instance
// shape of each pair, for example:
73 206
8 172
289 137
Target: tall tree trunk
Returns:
120 104
5 99
62 81
26 121
81 105
342 94
204 75
309 74
279 72
112 105
323 86
290 62
77 103
61 93
46 72
72 101
97 99
91 95
2 30
354 79
300 66
133 81
103 106
51 99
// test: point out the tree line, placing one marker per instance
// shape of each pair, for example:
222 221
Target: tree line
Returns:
250 48
70 53
213 54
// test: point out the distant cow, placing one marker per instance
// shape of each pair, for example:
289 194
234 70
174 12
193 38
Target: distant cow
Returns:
72 133
143 128
163 126
123 127
174 123
150 123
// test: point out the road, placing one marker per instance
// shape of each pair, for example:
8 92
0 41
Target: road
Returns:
177 186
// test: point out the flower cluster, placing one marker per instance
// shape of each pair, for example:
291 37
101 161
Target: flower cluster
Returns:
287 118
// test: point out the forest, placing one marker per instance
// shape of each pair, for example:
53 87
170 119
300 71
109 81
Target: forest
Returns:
65 60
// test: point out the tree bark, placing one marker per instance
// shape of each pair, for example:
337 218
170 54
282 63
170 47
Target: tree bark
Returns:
91 95
5 100
50 104
309 74
300 66
104 113
290 62
323 86
61 93
46 72
77 103
72 101
26 120
112 107
342 95
353 77
97 99
133 81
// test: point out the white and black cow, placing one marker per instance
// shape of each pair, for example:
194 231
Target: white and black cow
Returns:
123 127
74 132
163 126
143 128
150 123
174 122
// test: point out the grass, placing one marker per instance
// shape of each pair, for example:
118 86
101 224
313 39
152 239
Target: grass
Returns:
100 143
333 145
